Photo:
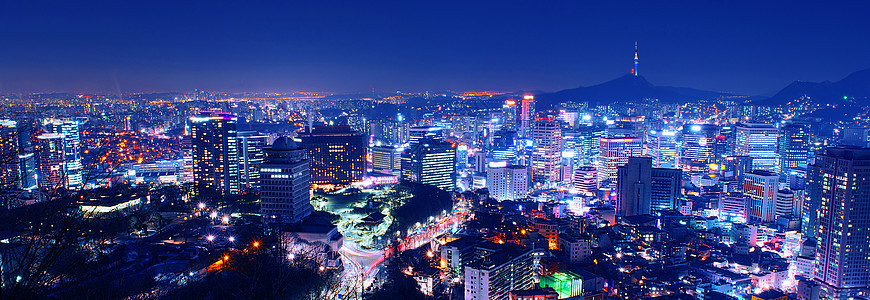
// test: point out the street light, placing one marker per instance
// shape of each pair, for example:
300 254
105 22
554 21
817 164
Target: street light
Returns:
210 238
213 214
232 239
201 205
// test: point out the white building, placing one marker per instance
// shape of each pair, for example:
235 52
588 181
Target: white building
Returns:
508 183
761 189
759 141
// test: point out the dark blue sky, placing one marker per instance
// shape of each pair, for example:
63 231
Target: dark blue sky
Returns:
264 46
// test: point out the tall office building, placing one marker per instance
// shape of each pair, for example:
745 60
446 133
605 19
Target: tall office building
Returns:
527 116
591 141
415 134
509 114
10 166
760 188
284 183
74 177
386 159
337 154
431 162
613 153
187 158
794 147
697 149
661 145
389 132
547 156
52 166
626 127
642 189
508 183
215 148
759 141
503 148
838 188
251 155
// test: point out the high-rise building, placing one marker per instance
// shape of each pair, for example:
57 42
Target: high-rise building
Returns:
661 145
337 154
251 155
839 190
547 156
284 183
760 188
386 159
389 132
614 152
759 141
74 177
187 158
503 148
508 183
697 148
626 127
52 166
431 162
215 150
415 134
794 147
509 113
591 141
642 189
10 166
527 116
585 180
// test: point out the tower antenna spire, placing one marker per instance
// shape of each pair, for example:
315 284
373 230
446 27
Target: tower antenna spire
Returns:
634 71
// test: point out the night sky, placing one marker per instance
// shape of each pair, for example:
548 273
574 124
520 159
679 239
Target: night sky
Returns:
264 46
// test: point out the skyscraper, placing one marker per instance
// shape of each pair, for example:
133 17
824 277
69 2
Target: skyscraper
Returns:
794 147
508 183
74 179
386 159
284 183
642 189
527 116
431 161
547 156
215 148
509 113
759 141
661 145
839 190
10 167
760 188
337 154
614 152
697 149
251 155
415 134
52 167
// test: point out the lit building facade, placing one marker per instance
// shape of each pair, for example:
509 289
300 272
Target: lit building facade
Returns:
215 153
547 155
284 184
337 154
759 141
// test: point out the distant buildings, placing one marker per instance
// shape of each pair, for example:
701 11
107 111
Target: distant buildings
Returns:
215 153
661 145
284 184
337 154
